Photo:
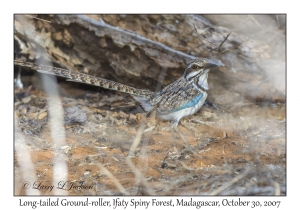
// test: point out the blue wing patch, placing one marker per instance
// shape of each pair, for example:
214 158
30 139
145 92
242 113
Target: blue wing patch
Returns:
191 103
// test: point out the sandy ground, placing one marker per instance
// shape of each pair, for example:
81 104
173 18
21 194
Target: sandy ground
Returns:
236 152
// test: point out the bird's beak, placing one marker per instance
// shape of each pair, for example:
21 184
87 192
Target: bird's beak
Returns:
213 63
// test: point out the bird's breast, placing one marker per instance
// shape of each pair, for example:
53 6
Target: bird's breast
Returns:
185 110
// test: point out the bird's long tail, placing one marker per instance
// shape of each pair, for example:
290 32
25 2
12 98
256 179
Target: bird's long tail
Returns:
85 78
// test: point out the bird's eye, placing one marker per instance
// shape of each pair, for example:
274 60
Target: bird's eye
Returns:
194 66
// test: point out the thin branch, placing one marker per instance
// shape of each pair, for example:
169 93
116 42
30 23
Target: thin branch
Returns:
230 183
255 21
224 41
38 18
112 178
195 29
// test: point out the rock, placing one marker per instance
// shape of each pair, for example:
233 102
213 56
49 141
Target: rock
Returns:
42 115
74 114
32 115
26 99
24 110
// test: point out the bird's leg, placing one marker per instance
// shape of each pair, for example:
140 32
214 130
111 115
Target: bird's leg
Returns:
181 136
174 126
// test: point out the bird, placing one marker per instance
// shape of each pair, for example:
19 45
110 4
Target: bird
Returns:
180 99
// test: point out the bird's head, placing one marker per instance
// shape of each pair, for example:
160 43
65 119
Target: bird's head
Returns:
197 70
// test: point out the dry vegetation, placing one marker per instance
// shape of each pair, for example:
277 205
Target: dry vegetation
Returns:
90 136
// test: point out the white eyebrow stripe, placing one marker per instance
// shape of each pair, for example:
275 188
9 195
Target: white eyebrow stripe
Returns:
192 74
